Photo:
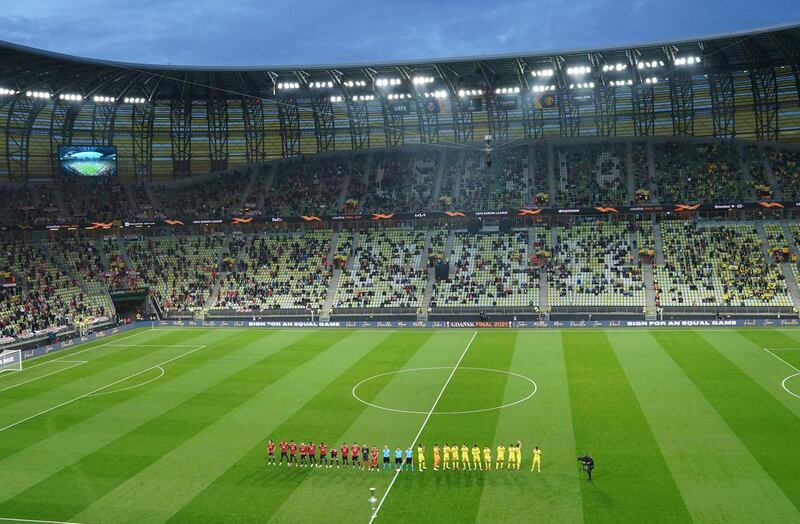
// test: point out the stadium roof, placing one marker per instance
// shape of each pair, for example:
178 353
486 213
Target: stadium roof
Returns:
24 68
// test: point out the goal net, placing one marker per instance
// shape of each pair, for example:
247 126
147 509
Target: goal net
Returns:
11 360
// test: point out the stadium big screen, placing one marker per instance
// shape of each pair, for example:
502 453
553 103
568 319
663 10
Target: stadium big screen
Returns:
88 161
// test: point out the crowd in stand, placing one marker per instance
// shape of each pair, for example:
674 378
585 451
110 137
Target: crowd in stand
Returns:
490 270
716 265
699 172
786 168
68 277
593 265
309 186
388 271
400 181
180 271
45 299
279 272
503 184
216 196
591 175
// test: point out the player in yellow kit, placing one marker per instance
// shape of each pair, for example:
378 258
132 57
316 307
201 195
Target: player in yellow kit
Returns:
446 456
512 457
454 454
421 457
537 459
487 458
501 456
465 456
519 454
436 457
476 457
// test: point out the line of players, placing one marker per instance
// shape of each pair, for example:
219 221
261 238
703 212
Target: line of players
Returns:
364 457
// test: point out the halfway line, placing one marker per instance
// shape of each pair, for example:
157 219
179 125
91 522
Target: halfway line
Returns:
424 423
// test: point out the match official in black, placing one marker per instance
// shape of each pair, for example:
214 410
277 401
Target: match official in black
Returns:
588 465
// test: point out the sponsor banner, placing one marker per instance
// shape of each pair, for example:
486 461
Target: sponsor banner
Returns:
388 213
480 324
394 324
52 348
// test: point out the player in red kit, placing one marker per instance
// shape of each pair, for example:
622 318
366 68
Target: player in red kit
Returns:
345 451
355 458
271 453
303 454
284 452
374 465
323 455
292 453
334 457
312 455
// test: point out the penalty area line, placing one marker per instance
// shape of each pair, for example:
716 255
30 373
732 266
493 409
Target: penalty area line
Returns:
786 379
93 392
424 423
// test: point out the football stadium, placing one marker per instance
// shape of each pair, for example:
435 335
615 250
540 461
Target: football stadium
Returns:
553 286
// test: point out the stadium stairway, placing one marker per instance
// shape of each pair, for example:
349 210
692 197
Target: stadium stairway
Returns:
459 173
152 197
777 192
437 185
650 292
248 189
343 193
551 173
659 244
129 196
351 260
267 184
327 305
744 169
762 235
448 248
101 253
651 171
629 170
365 179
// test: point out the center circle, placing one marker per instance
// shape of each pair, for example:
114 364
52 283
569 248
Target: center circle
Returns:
530 385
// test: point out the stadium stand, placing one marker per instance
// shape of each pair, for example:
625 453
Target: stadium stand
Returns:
180 271
284 271
590 175
786 168
503 185
46 299
699 172
388 271
488 271
593 266
305 187
717 265
401 181
214 196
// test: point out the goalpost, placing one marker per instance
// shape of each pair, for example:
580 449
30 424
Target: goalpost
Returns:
11 360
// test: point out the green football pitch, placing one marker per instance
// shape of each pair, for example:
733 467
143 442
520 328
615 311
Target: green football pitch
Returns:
170 425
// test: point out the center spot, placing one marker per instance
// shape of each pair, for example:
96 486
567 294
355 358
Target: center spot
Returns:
471 390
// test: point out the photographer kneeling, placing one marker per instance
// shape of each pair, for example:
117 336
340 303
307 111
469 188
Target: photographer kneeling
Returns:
587 462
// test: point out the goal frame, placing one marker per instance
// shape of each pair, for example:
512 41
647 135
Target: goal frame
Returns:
8 362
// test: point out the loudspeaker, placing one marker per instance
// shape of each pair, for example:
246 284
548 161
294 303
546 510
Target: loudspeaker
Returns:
474 225
505 225
442 270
